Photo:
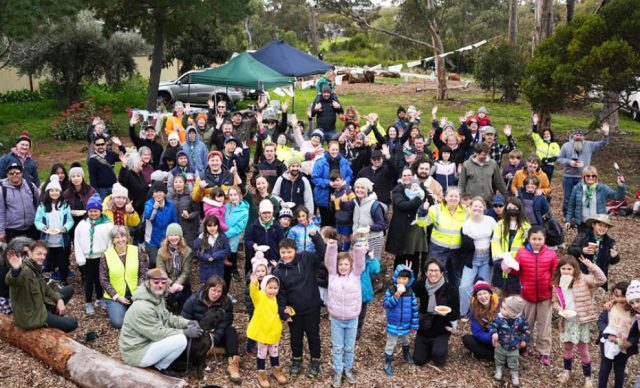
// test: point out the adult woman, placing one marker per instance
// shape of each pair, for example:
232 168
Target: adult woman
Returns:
214 175
332 160
406 240
21 154
475 251
213 297
147 163
77 195
178 121
484 308
175 259
532 169
131 177
589 198
122 269
369 213
546 147
262 191
236 216
432 339
447 219
509 235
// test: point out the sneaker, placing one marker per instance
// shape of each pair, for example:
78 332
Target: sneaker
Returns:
296 365
169 373
588 382
544 360
464 319
233 300
348 375
314 368
101 303
563 377
55 276
337 380
90 310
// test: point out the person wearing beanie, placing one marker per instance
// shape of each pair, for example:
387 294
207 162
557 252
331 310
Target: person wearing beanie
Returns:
293 186
90 242
482 117
264 231
259 268
370 213
148 141
159 212
101 165
485 306
496 210
175 258
18 203
326 109
214 175
179 121
119 208
205 129
285 216
509 333
77 196
21 154
195 150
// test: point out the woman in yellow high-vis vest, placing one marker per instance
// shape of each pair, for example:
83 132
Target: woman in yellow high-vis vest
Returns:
122 269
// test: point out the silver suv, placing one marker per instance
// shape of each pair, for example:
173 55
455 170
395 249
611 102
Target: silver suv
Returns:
197 94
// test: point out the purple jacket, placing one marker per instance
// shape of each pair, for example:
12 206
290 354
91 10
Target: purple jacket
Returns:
344 300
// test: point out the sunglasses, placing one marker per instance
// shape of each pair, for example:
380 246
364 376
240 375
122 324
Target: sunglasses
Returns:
498 205
221 106
158 281
590 176
100 144
15 173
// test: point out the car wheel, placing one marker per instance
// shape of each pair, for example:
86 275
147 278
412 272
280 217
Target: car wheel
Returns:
165 99
634 112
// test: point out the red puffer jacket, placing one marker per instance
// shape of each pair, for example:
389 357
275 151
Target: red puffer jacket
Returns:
536 271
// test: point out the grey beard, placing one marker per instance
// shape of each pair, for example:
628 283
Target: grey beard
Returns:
578 146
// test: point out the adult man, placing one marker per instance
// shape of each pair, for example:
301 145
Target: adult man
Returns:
148 141
422 151
235 156
100 165
481 175
150 334
195 149
382 172
269 166
496 150
18 204
402 124
33 300
326 111
422 170
219 136
21 154
574 156
292 186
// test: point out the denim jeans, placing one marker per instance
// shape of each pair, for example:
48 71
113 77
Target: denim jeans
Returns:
115 311
104 192
449 257
163 352
568 183
480 270
343 342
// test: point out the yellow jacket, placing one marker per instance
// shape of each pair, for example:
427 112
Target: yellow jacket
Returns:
265 326
500 245
446 227
130 219
521 175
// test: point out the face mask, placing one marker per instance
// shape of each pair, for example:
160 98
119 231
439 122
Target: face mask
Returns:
512 212
282 140
547 140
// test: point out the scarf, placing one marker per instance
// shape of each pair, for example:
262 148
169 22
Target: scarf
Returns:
212 239
431 291
588 193
118 217
267 225
92 229
175 259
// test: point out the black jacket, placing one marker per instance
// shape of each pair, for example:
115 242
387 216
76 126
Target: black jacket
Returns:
435 325
604 257
383 179
404 213
195 308
156 148
326 116
137 188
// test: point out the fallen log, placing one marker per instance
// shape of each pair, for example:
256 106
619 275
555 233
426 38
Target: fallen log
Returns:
77 363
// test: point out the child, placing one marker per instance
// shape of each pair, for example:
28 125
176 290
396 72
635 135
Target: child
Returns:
372 268
515 164
633 298
482 118
465 200
342 204
576 297
259 267
211 248
53 220
297 275
509 333
159 212
176 259
535 203
615 325
444 170
300 232
636 206
344 302
285 217
118 207
188 211
264 231
402 315
90 241
265 326
537 266
236 216
215 206
414 190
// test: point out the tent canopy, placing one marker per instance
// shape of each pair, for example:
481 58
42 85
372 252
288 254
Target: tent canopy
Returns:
242 71
289 60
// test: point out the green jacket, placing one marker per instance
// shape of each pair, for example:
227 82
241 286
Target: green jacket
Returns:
30 296
146 321
185 267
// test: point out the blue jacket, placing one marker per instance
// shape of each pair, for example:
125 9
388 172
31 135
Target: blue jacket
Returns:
300 234
219 251
257 234
372 267
156 228
30 170
540 206
236 218
510 331
42 221
603 192
479 333
320 177
196 151
402 312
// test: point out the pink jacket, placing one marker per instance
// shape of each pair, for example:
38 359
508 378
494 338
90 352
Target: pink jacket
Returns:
583 287
344 299
212 207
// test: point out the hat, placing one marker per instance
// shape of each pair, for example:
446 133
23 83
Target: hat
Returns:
482 109
178 104
293 159
269 115
230 138
578 131
326 88
449 124
159 186
414 181
159 176
95 202
54 183
174 228
156 273
285 211
498 199
480 286
265 206
400 110
514 305
24 136
376 154
410 151
488 129
319 133
14 166
214 153
411 109
150 127
633 291
119 191
76 171
174 136
603 218
235 112
266 279
258 260
364 182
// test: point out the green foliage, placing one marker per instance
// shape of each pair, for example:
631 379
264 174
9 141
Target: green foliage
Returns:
72 123
499 67
20 19
22 95
129 93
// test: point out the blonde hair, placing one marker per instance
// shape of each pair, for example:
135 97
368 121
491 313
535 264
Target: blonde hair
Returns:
590 169
165 253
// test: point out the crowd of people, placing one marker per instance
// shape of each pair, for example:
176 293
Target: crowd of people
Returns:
312 210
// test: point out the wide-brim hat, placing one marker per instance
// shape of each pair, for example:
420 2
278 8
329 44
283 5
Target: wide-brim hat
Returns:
602 218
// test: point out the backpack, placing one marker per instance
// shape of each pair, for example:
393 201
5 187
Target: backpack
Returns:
554 232
374 208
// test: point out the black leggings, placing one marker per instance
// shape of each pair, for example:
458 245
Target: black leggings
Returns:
479 349
58 258
308 324
427 349
92 280
229 341
328 218
618 364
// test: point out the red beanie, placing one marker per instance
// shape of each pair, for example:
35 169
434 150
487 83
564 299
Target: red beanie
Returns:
481 285
24 136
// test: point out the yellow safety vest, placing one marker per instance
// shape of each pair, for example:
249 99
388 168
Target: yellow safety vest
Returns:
446 227
122 276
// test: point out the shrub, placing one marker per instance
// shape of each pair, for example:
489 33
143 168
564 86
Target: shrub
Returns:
129 93
22 95
73 122
499 67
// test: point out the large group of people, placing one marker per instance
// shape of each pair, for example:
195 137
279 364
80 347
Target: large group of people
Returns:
467 235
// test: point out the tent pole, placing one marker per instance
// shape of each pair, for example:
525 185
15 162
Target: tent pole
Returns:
293 88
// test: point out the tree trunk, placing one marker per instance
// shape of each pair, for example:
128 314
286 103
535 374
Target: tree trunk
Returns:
609 111
513 21
156 60
543 21
438 48
247 29
77 363
313 27
571 10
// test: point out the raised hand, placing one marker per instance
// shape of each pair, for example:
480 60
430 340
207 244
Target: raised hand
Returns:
135 119
605 128
210 103
14 260
507 130
535 119
434 111
285 105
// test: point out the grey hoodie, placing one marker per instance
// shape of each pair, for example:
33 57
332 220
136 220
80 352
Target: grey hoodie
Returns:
567 154
18 212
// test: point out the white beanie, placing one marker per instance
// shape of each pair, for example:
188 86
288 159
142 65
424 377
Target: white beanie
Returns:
265 206
54 183
76 171
119 191
174 135
633 291
364 182
159 175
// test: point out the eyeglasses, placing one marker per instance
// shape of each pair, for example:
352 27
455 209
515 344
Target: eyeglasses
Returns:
99 144
498 205
15 173
590 176
221 106
272 122
158 281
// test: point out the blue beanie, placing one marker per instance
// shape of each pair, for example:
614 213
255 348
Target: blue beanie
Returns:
95 202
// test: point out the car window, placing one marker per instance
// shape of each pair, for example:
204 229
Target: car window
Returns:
184 79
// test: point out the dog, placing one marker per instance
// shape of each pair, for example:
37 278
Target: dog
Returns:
196 354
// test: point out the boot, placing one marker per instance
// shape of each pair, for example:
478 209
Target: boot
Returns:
406 355
234 369
388 369
278 375
563 377
515 379
337 380
348 374
314 368
498 375
263 379
296 365
588 383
